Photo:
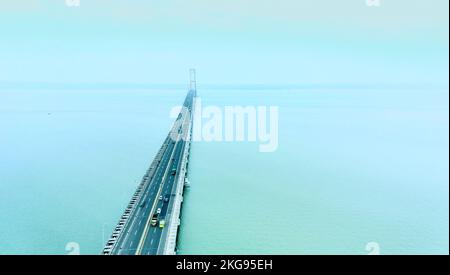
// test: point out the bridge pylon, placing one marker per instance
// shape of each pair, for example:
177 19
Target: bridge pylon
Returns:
193 82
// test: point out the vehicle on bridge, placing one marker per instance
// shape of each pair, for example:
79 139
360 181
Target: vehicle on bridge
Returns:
166 198
154 220
162 223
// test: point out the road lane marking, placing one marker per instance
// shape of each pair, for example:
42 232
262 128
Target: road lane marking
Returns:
174 184
153 182
147 188
162 185
144 235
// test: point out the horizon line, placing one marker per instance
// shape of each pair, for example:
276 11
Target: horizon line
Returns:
233 86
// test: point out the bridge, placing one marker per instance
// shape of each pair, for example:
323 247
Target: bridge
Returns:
149 224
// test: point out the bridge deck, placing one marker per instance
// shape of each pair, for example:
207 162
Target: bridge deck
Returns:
160 194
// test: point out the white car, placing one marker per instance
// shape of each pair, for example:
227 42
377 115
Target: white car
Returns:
158 211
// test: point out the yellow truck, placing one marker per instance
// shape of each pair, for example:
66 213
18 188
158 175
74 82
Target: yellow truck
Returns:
162 223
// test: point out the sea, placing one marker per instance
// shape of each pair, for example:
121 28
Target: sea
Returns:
357 170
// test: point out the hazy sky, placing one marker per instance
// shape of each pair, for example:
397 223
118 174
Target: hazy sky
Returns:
228 41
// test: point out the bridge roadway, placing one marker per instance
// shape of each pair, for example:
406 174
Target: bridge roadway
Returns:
135 234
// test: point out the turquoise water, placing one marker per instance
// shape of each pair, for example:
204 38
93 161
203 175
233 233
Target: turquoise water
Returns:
352 167
70 161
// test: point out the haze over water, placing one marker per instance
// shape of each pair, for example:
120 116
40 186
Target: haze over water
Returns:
353 166
362 92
